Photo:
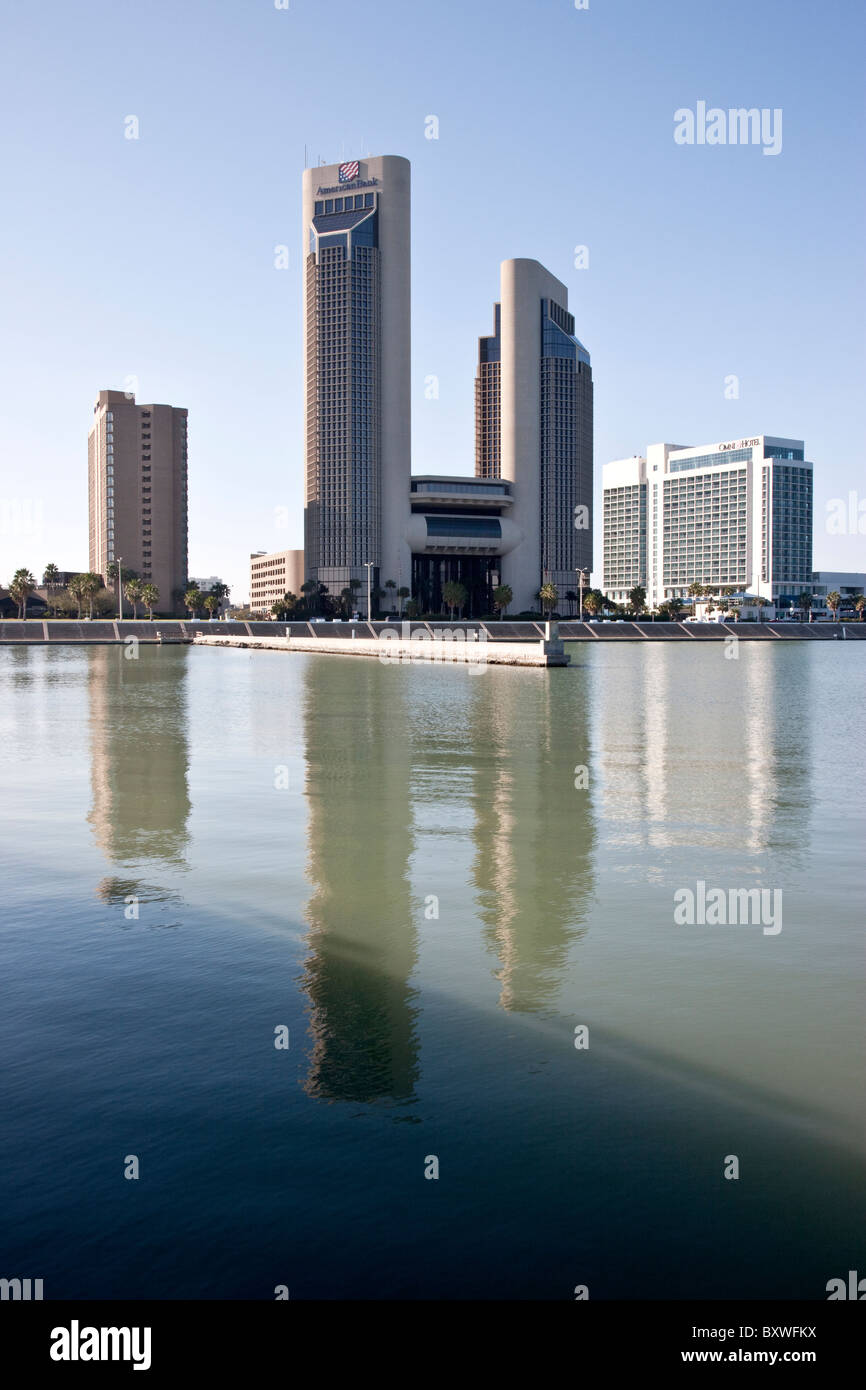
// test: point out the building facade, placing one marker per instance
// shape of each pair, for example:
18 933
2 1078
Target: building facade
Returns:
137 481
272 575
848 585
526 520
737 514
356 235
534 428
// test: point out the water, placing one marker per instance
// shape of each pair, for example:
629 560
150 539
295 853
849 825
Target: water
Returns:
395 864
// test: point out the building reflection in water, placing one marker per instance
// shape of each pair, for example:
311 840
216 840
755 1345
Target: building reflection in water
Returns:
534 828
699 750
362 936
139 764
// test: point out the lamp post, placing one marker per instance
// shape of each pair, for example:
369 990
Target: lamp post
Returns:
119 590
580 578
368 564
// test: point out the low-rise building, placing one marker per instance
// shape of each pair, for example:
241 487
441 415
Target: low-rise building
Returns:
273 574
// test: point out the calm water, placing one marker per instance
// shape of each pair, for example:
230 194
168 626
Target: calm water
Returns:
395 863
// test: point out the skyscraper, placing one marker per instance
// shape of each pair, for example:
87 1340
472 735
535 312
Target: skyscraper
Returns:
533 403
356 230
137 476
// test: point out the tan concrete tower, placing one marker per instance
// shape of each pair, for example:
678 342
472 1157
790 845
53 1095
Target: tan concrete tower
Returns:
137 467
534 389
357 413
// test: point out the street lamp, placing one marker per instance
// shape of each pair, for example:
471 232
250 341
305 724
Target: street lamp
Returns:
580 579
119 590
368 565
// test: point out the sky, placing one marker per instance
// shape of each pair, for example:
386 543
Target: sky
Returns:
155 258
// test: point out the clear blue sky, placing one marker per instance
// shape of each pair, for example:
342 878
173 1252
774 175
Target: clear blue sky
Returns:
155 258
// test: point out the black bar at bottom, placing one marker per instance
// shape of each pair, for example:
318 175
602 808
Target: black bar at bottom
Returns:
166 1340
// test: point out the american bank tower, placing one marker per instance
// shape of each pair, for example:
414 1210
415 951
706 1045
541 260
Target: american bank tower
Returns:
357 418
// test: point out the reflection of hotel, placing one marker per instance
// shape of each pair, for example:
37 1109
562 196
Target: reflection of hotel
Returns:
139 754
666 766
526 518
361 932
534 899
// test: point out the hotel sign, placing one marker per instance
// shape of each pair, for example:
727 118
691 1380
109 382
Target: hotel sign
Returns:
739 444
347 187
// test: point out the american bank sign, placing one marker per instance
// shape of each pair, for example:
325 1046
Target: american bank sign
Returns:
347 187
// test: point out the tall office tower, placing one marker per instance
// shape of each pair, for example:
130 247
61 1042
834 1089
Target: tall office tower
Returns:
357 371
733 515
137 473
534 428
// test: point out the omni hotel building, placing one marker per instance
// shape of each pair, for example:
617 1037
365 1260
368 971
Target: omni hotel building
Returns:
525 519
736 514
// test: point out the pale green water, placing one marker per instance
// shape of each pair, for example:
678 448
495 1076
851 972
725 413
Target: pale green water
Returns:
431 906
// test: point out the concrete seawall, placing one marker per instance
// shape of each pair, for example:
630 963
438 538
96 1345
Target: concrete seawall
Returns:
39 631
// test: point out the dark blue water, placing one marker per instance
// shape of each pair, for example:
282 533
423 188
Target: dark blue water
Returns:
395 864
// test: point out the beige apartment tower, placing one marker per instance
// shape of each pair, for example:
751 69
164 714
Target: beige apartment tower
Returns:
356 246
137 476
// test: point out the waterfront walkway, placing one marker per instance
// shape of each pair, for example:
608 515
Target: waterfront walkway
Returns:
314 636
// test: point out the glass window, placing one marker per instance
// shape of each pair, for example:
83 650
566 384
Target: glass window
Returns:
338 205
320 208
368 200
329 205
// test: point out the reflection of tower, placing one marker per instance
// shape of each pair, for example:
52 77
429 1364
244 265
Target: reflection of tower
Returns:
534 830
361 933
138 752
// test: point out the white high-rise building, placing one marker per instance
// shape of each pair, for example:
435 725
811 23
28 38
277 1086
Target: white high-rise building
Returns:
732 515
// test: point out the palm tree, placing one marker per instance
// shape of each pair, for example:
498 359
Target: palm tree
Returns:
76 587
593 603
211 602
89 585
675 607
389 585
503 597
402 594
860 605
572 597
51 580
149 597
696 590
308 589
132 588
345 600
805 602
192 600
454 595
411 608
834 598
21 588
637 599
548 593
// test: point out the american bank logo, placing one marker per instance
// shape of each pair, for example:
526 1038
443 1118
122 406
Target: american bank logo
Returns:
349 171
